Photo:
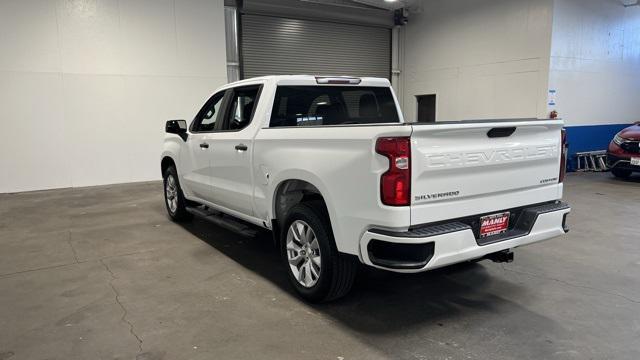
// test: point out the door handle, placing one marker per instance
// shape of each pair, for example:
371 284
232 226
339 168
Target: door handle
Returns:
241 147
204 145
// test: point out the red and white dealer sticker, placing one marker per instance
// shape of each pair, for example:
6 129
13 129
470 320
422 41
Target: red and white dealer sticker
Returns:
494 224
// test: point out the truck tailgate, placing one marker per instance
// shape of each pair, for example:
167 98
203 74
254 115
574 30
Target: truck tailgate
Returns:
469 168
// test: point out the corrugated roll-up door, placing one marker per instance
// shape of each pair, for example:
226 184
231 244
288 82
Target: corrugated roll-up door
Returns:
280 46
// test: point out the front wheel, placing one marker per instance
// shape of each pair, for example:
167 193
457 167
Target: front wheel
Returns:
619 173
316 269
173 198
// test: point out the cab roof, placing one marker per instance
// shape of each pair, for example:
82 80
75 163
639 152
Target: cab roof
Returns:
312 80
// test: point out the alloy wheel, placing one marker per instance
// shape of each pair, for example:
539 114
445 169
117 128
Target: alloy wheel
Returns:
171 190
303 253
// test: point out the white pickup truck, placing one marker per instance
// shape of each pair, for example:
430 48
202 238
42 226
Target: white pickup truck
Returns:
330 166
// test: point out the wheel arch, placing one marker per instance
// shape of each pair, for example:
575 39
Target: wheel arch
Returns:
292 191
166 162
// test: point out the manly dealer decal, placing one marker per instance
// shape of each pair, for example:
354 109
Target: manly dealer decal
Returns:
470 158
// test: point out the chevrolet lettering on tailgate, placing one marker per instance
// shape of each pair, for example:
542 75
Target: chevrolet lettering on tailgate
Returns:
491 156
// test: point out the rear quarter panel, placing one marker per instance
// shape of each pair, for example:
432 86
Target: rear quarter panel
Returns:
339 161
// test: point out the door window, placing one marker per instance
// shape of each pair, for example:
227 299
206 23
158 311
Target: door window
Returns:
241 107
207 117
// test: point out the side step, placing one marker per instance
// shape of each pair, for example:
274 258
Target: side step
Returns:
224 221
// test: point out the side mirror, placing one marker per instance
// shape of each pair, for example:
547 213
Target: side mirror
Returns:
178 127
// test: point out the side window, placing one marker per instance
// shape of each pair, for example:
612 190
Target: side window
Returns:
241 107
206 120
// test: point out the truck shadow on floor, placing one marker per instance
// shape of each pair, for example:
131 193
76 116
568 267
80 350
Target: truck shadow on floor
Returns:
380 301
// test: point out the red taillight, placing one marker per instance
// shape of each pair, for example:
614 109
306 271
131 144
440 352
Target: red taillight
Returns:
563 156
395 184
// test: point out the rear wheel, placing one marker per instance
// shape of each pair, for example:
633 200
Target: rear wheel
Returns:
173 197
316 269
619 173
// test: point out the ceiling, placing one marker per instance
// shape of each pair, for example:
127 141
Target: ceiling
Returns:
378 4
390 5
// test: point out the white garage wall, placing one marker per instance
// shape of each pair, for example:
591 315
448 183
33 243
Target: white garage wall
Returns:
595 61
87 85
483 58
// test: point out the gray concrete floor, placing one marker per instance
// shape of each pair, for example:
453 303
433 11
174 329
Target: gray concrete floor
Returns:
101 273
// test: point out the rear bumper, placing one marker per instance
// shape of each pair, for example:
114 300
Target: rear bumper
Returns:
436 245
622 163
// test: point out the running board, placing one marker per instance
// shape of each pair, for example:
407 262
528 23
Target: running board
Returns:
223 220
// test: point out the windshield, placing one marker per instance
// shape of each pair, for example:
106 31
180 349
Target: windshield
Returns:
332 105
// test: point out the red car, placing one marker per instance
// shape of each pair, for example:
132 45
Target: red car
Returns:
623 156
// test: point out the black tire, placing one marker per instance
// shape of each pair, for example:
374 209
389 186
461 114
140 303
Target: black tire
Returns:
337 271
179 213
620 173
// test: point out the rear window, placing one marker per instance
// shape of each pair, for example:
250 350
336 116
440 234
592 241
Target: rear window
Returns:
332 105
